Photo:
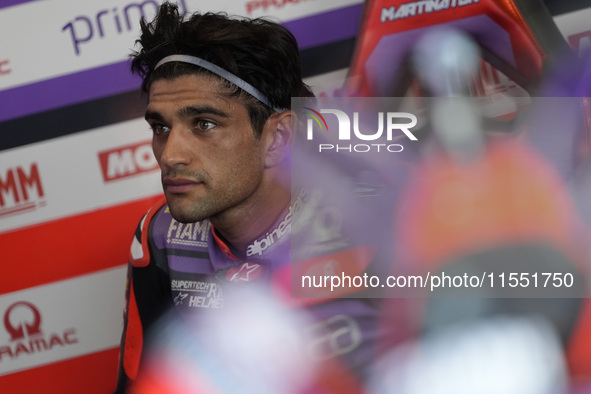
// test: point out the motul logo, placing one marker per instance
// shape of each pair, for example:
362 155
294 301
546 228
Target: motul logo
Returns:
20 190
127 161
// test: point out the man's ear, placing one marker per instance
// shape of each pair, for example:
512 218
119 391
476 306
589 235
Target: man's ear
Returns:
280 138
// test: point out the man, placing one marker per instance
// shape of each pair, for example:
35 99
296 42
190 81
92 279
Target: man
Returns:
219 97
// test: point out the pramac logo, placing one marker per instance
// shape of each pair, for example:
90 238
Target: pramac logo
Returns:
22 321
393 123
25 328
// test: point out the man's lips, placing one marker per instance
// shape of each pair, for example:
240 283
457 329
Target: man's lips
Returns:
179 185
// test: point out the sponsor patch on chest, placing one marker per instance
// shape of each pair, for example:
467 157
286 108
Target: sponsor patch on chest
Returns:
197 294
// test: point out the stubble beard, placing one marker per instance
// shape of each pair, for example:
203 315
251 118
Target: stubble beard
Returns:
187 211
184 208
216 199
213 203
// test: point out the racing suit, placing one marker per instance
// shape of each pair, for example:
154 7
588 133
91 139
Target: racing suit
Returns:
187 268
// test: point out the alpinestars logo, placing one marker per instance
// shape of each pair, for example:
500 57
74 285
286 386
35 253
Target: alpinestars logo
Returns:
246 272
394 123
260 245
22 321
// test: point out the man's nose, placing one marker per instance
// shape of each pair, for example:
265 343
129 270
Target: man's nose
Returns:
176 148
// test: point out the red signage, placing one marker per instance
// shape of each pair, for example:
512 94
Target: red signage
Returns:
22 321
21 190
127 161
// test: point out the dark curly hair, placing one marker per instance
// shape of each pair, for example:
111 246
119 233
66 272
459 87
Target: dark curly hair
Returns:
261 52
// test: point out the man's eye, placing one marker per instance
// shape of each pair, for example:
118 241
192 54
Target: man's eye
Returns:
204 124
160 129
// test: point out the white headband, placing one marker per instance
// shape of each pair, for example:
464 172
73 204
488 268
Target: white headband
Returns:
242 84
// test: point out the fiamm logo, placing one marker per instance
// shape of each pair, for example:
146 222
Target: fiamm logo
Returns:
393 123
21 190
22 321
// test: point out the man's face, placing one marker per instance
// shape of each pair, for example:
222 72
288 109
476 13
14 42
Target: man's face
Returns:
210 159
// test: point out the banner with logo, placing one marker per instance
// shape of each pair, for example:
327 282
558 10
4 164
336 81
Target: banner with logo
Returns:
77 174
77 171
